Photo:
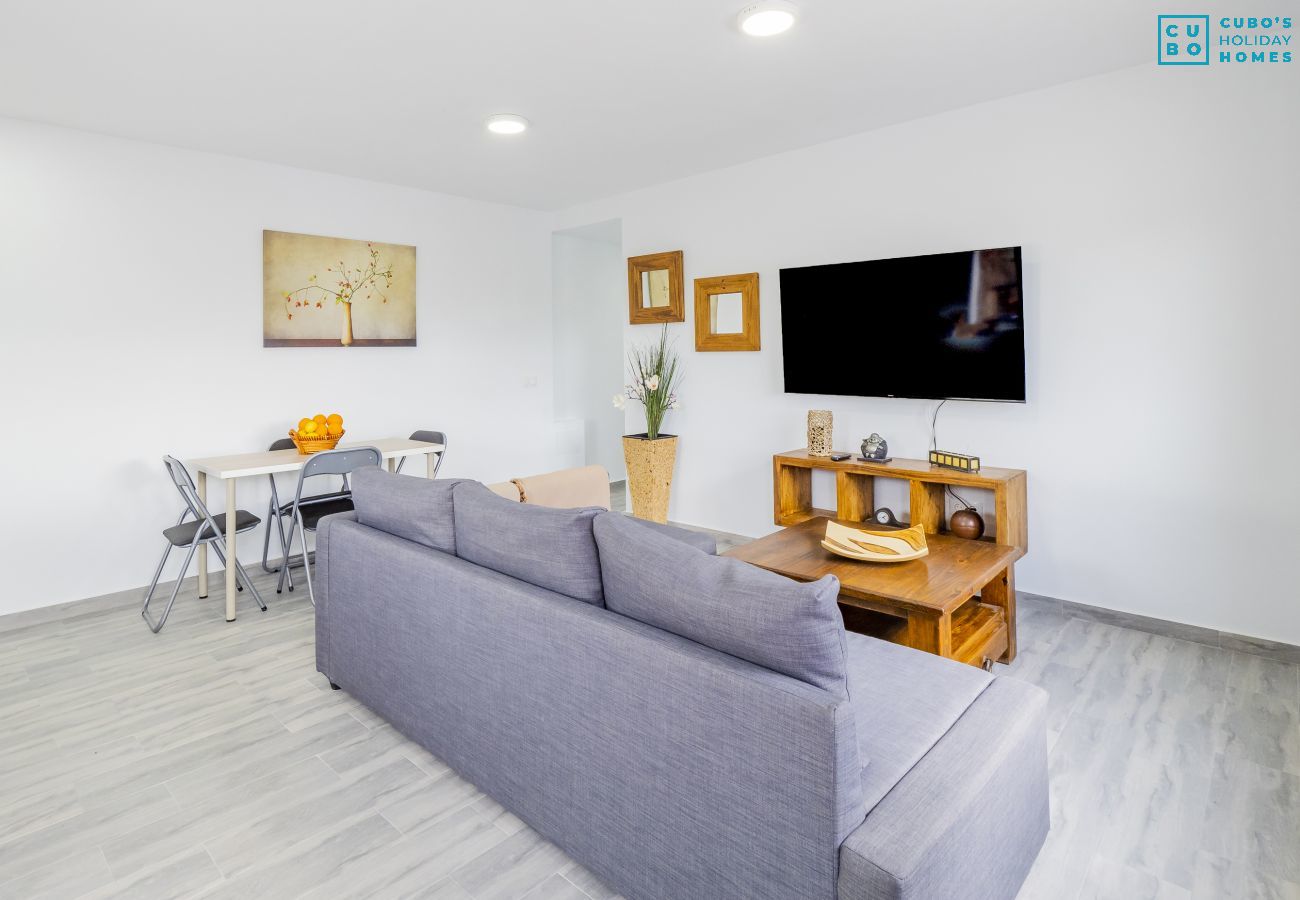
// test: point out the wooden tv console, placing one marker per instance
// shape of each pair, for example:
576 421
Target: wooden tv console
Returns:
855 494
854 502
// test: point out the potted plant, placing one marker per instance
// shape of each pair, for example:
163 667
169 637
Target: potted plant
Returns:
650 456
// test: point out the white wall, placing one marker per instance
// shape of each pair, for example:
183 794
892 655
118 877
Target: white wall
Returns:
589 277
1157 210
131 277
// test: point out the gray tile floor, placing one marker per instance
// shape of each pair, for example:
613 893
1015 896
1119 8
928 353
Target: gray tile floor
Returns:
212 760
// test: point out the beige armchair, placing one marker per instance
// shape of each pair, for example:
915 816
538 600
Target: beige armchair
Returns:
567 488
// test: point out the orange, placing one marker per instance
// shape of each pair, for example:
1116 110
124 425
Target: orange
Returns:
302 424
333 429
319 419
335 420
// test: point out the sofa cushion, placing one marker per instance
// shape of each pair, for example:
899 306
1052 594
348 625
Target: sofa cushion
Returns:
723 603
551 548
418 509
696 539
904 701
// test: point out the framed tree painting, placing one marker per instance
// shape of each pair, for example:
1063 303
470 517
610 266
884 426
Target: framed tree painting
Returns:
335 292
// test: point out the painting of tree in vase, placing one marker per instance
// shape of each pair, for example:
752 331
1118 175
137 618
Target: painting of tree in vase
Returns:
335 292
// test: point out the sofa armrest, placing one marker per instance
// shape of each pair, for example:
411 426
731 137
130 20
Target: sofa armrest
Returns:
566 488
324 530
696 539
969 818
507 489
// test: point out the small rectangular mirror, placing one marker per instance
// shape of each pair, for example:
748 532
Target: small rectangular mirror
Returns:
654 288
726 314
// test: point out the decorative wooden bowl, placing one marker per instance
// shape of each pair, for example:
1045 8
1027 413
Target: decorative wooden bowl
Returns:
313 444
876 546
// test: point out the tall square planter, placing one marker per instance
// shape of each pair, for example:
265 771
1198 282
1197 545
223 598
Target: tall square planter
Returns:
650 473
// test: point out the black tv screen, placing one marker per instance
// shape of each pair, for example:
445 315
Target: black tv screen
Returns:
947 325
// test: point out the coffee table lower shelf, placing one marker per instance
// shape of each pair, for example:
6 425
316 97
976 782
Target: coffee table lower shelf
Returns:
977 632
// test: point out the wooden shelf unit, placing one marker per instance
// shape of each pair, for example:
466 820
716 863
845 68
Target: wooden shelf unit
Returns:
855 492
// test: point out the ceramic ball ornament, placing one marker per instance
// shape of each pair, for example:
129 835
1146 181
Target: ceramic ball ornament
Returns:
967 523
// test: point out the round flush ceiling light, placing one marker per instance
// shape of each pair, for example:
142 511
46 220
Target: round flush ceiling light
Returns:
768 18
507 124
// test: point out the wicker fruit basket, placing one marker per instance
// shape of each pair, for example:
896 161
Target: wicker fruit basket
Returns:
314 444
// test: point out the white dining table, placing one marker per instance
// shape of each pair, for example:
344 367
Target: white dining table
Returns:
272 462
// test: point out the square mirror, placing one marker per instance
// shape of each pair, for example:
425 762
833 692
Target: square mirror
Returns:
726 312
655 290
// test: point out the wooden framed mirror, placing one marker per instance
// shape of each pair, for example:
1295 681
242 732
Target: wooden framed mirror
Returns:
726 312
655 292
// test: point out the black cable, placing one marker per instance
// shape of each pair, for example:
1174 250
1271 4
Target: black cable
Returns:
957 497
934 437
934 445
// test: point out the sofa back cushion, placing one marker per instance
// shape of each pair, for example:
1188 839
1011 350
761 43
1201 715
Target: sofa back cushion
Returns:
551 548
417 509
732 606
697 539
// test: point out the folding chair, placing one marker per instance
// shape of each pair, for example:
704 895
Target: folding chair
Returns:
305 515
205 529
431 437
277 512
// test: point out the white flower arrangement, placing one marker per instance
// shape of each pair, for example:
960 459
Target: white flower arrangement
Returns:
654 375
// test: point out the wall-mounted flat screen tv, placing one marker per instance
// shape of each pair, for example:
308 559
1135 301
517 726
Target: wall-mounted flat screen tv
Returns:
947 325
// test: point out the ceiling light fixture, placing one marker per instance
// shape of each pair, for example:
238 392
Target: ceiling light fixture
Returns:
507 124
768 18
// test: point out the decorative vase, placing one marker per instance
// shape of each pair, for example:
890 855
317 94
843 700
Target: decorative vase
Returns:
347 324
967 523
820 422
650 473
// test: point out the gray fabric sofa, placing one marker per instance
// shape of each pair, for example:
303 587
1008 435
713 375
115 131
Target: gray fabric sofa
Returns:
738 744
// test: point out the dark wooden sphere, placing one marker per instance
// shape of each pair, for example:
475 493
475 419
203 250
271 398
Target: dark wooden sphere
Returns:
966 523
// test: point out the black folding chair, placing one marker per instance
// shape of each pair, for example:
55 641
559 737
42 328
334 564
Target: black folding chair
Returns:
305 515
277 512
205 529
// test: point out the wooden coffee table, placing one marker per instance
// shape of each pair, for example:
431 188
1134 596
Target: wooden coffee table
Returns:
955 602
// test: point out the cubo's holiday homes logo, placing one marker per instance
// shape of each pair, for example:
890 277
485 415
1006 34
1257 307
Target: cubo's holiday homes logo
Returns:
1182 41
1185 40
